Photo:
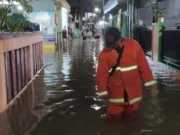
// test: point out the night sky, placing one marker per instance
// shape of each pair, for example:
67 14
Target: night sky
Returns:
86 5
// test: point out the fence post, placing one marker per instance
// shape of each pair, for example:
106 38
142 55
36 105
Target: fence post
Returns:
31 64
156 41
3 93
161 25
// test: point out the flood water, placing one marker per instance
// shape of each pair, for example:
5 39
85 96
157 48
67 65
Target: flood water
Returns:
62 100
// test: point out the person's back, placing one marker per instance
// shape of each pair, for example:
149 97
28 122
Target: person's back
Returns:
89 34
71 32
123 86
64 33
97 35
84 34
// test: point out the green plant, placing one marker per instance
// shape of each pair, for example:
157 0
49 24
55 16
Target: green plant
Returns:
153 9
9 17
17 23
157 13
160 14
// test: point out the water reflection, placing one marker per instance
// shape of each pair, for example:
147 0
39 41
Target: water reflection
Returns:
20 116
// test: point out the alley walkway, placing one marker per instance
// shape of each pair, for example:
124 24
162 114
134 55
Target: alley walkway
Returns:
68 105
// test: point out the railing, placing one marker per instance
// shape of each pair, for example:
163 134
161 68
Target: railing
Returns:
37 57
20 59
144 37
170 50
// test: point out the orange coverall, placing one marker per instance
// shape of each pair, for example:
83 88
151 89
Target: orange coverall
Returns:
124 87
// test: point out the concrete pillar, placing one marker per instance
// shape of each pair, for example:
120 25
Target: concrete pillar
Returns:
155 40
59 24
60 9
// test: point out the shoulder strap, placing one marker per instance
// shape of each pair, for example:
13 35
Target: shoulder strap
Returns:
119 50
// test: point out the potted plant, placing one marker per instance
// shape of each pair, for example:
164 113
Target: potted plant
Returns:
160 16
154 10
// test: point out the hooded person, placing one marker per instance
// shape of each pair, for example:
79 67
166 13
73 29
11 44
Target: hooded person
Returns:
122 68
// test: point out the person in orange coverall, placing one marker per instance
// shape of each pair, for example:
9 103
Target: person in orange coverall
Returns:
122 68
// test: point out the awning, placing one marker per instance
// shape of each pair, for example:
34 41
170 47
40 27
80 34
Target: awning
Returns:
70 16
110 5
113 6
152 2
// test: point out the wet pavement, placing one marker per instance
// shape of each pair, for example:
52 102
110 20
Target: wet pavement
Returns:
67 103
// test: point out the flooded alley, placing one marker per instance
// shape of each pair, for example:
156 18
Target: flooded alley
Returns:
62 99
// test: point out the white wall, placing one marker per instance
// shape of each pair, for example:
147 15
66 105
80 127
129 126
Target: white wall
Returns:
64 15
42 4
